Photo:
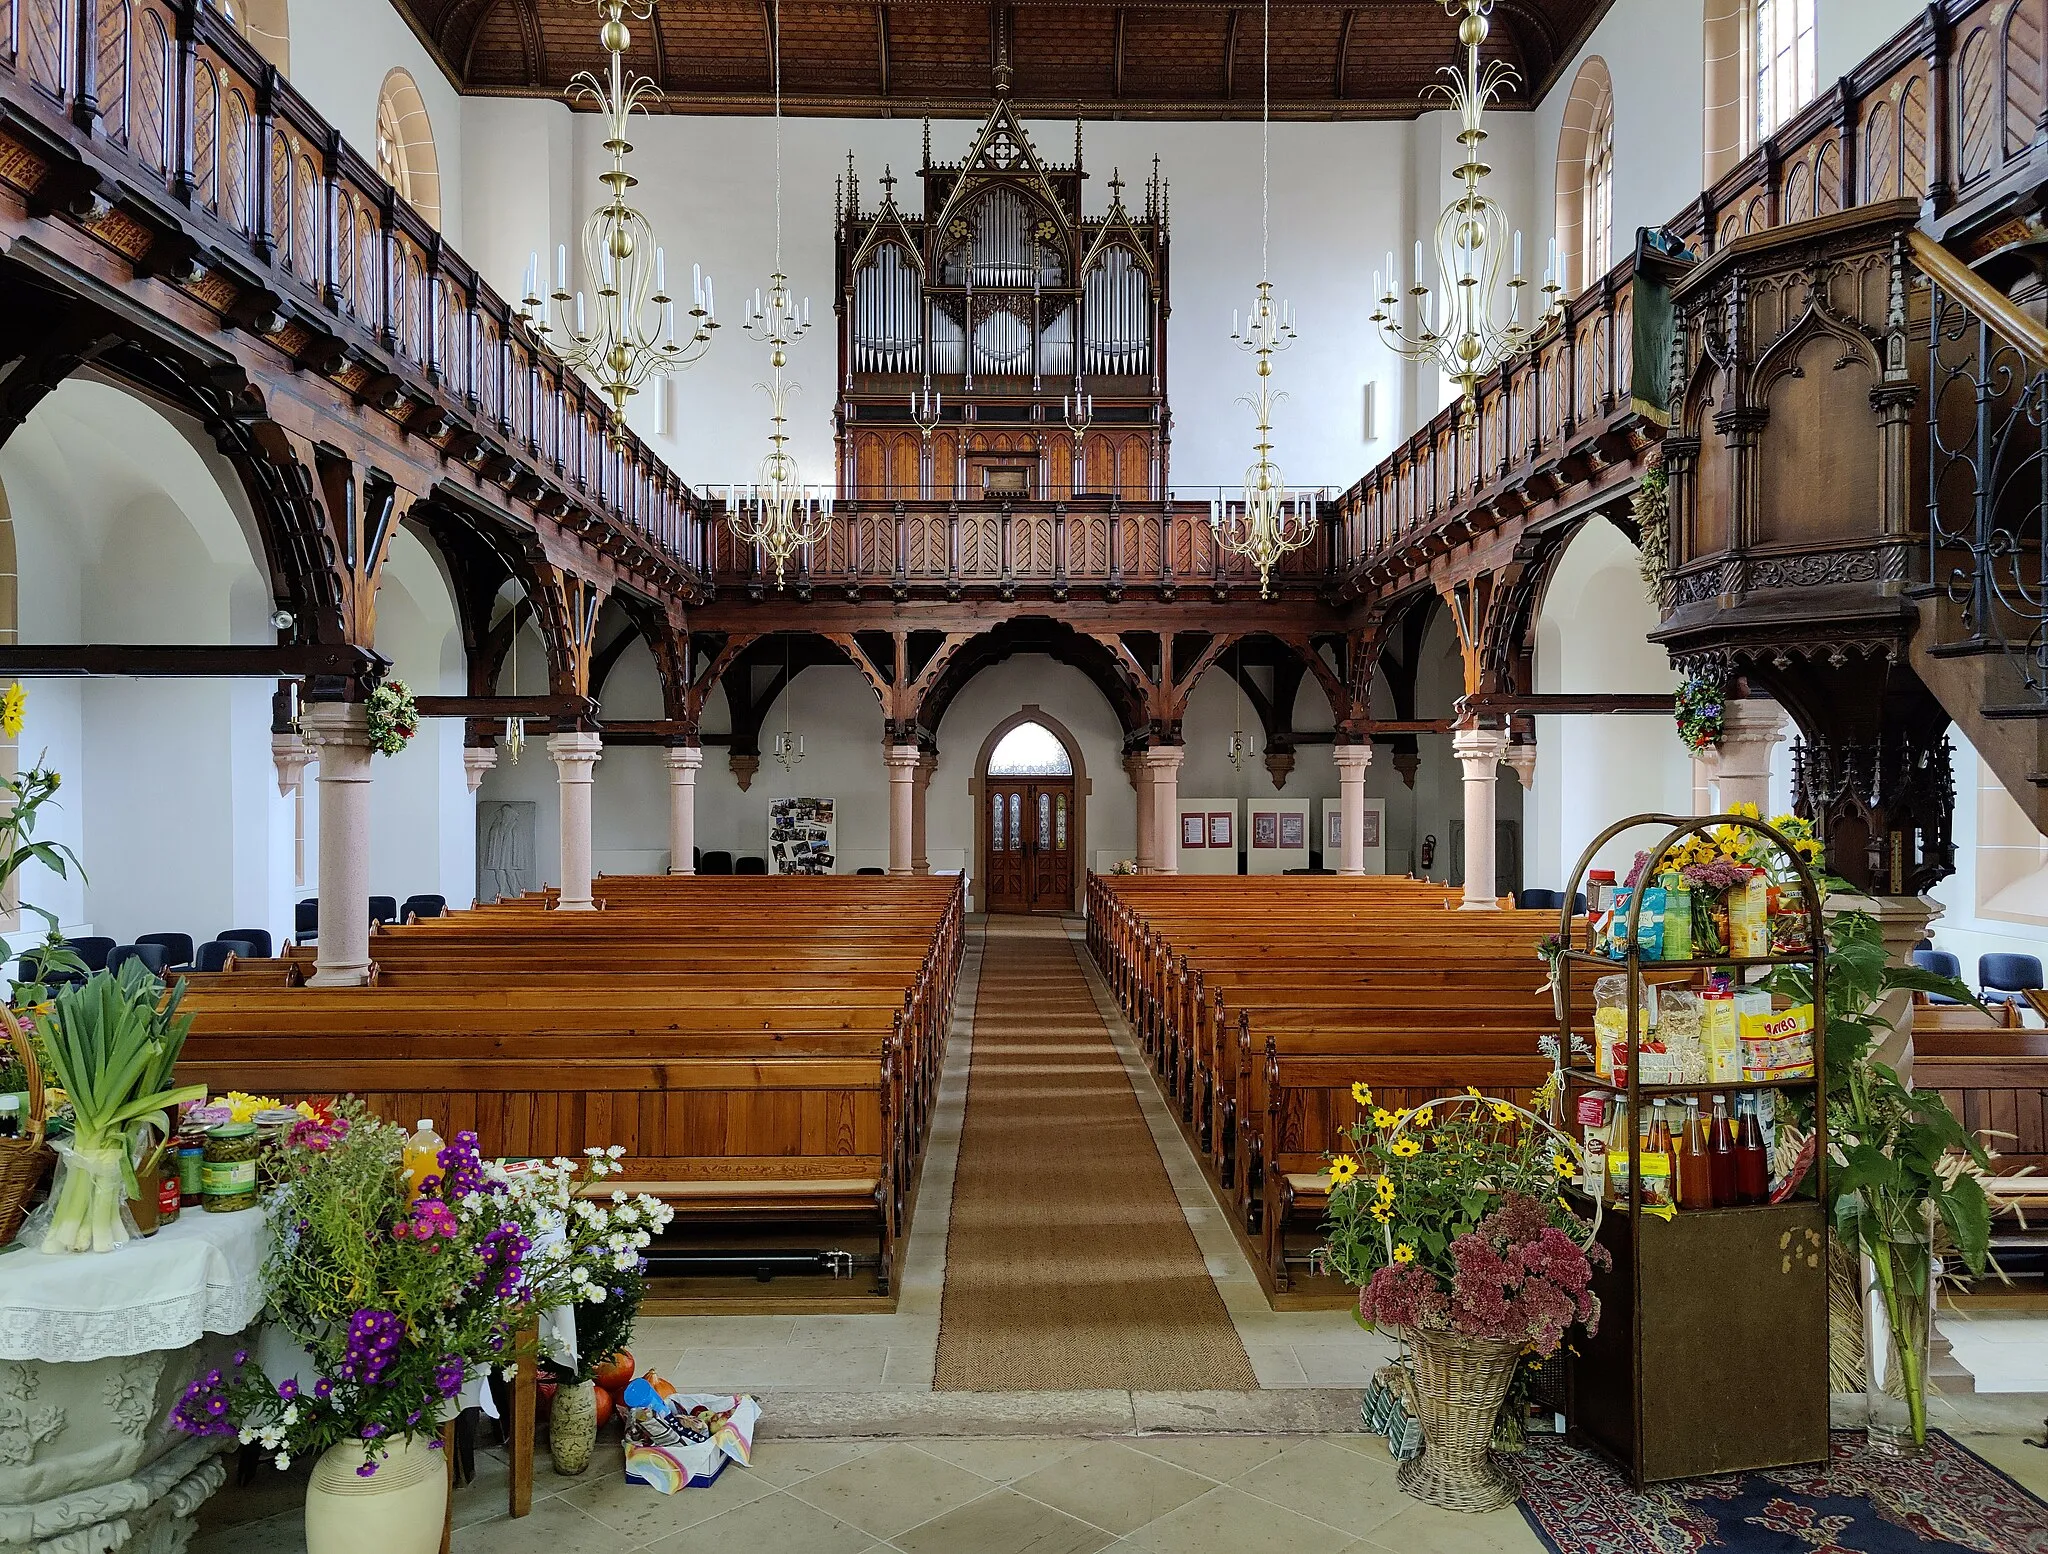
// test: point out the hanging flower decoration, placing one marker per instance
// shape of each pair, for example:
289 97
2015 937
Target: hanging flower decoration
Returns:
394 717
1700 707
1650 510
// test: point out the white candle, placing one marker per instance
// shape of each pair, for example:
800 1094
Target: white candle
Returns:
1233 324
661 266
1376 292
1518 253
1418 261
710 299
579 312
1393 275
807 312
561 267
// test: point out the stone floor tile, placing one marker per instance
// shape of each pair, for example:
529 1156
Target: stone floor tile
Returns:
1424 1529
1003 1522
912 1364
1222 1458
783 1463
774 1524
1114 1487
1323 1480
1003 1460
670 1335
890 1490
282 1533
638 1514
1343 1364
555 1527
1229 1521
748 1367
1275 1364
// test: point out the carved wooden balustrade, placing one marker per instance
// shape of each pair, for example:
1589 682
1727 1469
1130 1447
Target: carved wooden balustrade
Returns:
163 133
923 549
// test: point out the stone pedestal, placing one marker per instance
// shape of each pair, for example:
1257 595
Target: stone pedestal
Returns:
1479 751
1352 762
1902 922
339 733
575 756
902 761
684 762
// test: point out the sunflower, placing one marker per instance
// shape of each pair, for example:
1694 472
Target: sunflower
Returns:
13 704
1406 1148
1424 1116
1473 1091
1382 1213
1502 1112
1342 1170
1404 1253
1384 1186
1561 1165
1382 1118
1360 1093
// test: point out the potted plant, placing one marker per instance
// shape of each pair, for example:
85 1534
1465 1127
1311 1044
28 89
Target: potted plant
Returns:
399 1302
1449 1220
1900 1170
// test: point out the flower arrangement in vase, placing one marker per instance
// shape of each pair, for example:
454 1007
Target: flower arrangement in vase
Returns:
1449 1221
394 717
399 1296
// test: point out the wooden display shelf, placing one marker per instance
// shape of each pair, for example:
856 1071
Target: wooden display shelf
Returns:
1592 1081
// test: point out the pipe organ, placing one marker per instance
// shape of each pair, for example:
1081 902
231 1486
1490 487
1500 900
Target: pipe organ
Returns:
995 341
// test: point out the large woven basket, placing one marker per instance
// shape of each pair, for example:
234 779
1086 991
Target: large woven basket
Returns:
1460 1384
23 1160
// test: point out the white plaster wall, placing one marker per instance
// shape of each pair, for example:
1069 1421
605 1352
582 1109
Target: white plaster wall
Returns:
1986 816
341 52
1593 771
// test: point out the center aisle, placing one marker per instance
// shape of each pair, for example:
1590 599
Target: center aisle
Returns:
1069 1263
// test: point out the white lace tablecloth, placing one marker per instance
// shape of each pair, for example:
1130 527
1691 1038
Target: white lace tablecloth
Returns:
200 1274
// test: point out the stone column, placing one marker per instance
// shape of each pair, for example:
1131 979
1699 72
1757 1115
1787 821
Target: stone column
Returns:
1162 773
1479 751
902 761
477 760
1703 784
1141 781
575 755
1750 727
920 855
1352 760
684 761
339 733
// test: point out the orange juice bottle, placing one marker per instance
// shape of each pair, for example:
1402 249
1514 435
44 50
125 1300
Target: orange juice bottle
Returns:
422 1157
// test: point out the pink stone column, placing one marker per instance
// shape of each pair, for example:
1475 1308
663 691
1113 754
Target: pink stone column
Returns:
1144 853
920 853
1479 751
575 757
1750 727
339 734
1352 761
1161 768
903 762
684 762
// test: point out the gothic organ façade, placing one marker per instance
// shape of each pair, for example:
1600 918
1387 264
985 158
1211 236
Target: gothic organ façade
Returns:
986 335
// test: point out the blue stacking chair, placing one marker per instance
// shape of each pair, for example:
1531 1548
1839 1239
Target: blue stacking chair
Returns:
2004 977
1942 964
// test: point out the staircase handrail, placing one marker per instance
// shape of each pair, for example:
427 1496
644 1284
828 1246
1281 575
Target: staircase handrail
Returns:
2020 329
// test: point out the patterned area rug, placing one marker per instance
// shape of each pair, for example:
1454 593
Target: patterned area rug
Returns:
1860 1503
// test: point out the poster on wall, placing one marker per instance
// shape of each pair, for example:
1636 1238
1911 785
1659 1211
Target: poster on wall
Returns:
801 836
1222 830
1369 828
1293 829
1194 829
1265 829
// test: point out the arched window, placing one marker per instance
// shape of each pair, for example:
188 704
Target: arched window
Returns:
405 146
1030 750
1785 80
1585 179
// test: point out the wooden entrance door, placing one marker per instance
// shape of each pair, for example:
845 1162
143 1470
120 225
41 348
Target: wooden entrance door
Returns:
1028 835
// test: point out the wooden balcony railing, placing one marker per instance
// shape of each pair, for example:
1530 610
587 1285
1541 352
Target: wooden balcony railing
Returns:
166 100
1953 111
1166 548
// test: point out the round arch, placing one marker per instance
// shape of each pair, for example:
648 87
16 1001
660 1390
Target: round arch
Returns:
405 145
977 796
1585 178
265 23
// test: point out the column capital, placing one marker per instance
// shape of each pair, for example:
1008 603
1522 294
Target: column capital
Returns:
684 758
1489 745
576 750
903 758
476 760
341 725
1352 758
1163 757
1749 728
291 755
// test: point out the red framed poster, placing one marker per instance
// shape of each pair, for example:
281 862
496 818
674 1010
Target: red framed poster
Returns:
1265 829
1194 828
1222 828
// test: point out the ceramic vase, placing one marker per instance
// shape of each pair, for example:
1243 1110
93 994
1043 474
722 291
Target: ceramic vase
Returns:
399 1509
572 1426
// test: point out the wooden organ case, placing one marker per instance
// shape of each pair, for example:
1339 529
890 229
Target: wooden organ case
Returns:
1000 302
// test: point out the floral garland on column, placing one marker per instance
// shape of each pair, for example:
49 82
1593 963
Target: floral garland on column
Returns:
1650 510
1700 708
394 717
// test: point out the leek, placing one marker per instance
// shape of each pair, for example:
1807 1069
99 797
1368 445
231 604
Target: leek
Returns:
113 1044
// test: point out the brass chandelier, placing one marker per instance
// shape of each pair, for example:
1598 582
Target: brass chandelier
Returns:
624 346
1464 340
778 515
1266 525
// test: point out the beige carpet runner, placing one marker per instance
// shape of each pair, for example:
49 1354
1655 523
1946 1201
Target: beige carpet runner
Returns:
1069 1264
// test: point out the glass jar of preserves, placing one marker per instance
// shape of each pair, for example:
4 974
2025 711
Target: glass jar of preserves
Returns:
227 1179
273 1127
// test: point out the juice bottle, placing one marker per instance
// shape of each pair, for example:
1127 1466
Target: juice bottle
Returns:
1695 1168
1677 916
1752 1165
422 1157
1721 1155
1656 1156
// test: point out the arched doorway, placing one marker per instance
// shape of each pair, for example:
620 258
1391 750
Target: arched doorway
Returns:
1028 807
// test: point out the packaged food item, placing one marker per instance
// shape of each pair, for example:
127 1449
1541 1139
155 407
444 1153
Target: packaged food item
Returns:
1749 918
1680 1026
169 1196
1617 927
1610 1025
1656 1179
1599 907
1776 1043
1720 1032
1677 916
228 1176
1593 1123
1650 924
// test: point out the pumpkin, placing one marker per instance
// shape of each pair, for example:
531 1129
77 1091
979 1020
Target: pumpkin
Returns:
544 1395
614 1373
605 1404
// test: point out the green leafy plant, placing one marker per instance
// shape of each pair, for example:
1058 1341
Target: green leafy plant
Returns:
112 1045
394 717
1899 1159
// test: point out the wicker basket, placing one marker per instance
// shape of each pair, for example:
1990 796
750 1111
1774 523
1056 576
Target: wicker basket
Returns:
1460 1384
23 1160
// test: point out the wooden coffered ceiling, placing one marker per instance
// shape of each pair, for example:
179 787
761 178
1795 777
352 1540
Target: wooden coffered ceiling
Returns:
1161 59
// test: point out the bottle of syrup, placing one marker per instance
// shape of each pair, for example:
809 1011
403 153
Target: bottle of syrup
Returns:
1721 1155
422 1157
1657 1157
1752 1167
1695 1168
